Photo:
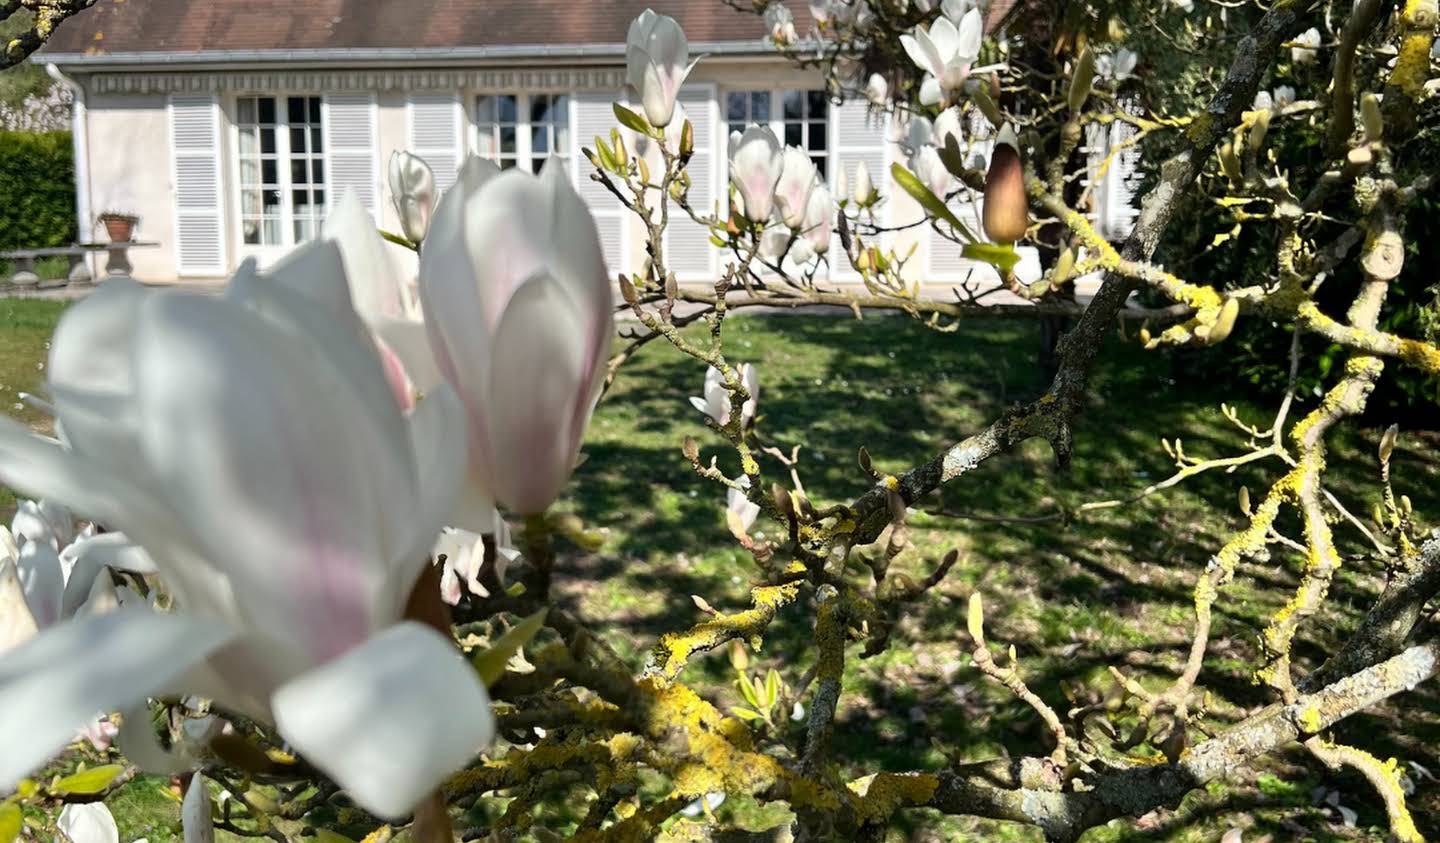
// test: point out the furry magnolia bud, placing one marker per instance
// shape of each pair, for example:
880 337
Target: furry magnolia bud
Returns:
1006 212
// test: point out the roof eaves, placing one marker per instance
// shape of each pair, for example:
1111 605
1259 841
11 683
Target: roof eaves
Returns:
385 55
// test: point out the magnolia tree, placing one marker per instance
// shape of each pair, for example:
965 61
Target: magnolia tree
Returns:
273 542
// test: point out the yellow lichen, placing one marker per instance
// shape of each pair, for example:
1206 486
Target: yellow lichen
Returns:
878 797
1310 720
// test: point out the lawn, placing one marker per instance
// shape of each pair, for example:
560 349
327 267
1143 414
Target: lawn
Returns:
1075 597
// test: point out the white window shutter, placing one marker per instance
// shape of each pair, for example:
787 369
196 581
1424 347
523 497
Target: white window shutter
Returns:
1114 191
688 250
856 136
350 136
195 148
594 116
436 125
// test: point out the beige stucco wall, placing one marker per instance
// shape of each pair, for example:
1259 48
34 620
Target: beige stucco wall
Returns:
130 171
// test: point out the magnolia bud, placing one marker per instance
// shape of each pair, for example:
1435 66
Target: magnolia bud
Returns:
1370 115
1230 162
1387 442
412 188
1081 80
1259 130
1225 322
1064 267
687 140
1006 212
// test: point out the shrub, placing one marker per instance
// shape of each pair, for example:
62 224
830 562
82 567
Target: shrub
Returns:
37 190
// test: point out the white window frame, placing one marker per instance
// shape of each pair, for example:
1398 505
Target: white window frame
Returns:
268 252
524 154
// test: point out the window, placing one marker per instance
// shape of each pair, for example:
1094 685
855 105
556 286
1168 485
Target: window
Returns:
801 122
282 169
745 107
518 130
805 115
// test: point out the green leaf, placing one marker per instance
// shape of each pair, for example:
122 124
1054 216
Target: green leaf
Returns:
746 714
331 837
87 782
490 664
747 689
1000 256
11 821
607 158
633 121
929 201
772 688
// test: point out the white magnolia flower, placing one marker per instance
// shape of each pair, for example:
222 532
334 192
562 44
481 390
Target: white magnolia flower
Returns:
927 166
1283 96
251 444
918 132
838 13
388 303
1263 102
780 24
40 586
1186 6
842 181
89 822
736 502
775 244
798 179
464 554
756 162
195 818
657 60
1118 66
518 305
1306 47
947 126
877 90
716 400
412 189
946 50
863 192
819 220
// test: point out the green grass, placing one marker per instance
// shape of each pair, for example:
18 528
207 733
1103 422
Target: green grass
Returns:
1074 598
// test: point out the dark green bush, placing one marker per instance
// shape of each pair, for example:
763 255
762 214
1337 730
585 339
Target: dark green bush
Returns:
37 190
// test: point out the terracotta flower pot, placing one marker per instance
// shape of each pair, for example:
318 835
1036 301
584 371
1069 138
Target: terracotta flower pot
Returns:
120 229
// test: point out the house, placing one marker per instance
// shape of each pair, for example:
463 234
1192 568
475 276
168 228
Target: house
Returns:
231 126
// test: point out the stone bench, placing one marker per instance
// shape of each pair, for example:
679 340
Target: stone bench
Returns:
118 262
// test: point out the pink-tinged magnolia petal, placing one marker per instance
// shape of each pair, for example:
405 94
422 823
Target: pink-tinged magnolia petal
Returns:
195 817
286 475
89 822
42 581
375 286
535 375
756 165
409 342
54 683
17 625
797 182
450 585
368 718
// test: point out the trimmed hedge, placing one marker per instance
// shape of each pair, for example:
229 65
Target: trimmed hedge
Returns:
37 190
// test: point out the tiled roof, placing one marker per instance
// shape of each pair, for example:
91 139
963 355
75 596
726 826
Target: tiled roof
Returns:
184 26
